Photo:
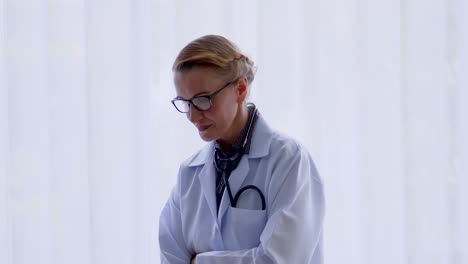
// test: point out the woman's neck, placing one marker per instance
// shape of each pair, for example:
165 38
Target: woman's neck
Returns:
237 127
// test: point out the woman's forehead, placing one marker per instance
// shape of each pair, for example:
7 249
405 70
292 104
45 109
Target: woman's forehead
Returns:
196 81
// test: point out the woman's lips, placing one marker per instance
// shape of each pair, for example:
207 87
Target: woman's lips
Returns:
203 128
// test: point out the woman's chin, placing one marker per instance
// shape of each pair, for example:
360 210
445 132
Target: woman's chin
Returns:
206 136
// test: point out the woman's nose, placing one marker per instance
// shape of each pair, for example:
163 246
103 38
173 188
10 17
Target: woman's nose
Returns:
194 114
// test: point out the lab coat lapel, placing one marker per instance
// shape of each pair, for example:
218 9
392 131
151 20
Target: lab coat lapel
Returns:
235 181
207 180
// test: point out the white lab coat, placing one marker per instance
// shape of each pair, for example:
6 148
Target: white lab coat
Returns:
289 230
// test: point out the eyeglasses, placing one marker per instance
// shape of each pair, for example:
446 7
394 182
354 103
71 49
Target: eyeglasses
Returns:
201 103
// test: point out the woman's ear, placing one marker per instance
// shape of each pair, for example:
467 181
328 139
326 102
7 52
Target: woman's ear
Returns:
242 90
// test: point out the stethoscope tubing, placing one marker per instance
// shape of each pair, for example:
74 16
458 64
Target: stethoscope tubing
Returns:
233 199
238 194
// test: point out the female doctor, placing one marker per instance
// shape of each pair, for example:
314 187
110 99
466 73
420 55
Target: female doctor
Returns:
251 195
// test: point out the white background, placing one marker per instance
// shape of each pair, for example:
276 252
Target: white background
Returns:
90 144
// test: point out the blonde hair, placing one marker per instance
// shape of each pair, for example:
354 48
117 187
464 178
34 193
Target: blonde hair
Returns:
218 53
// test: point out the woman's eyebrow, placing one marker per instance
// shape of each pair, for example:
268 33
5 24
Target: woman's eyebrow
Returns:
198 94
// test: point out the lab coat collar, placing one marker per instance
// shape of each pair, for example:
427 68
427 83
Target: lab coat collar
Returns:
261 138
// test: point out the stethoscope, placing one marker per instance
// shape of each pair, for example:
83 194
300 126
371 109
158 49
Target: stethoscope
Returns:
234 199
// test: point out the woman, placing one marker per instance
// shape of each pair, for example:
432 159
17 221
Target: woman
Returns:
251 195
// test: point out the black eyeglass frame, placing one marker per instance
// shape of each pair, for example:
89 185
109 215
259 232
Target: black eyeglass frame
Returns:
209 97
